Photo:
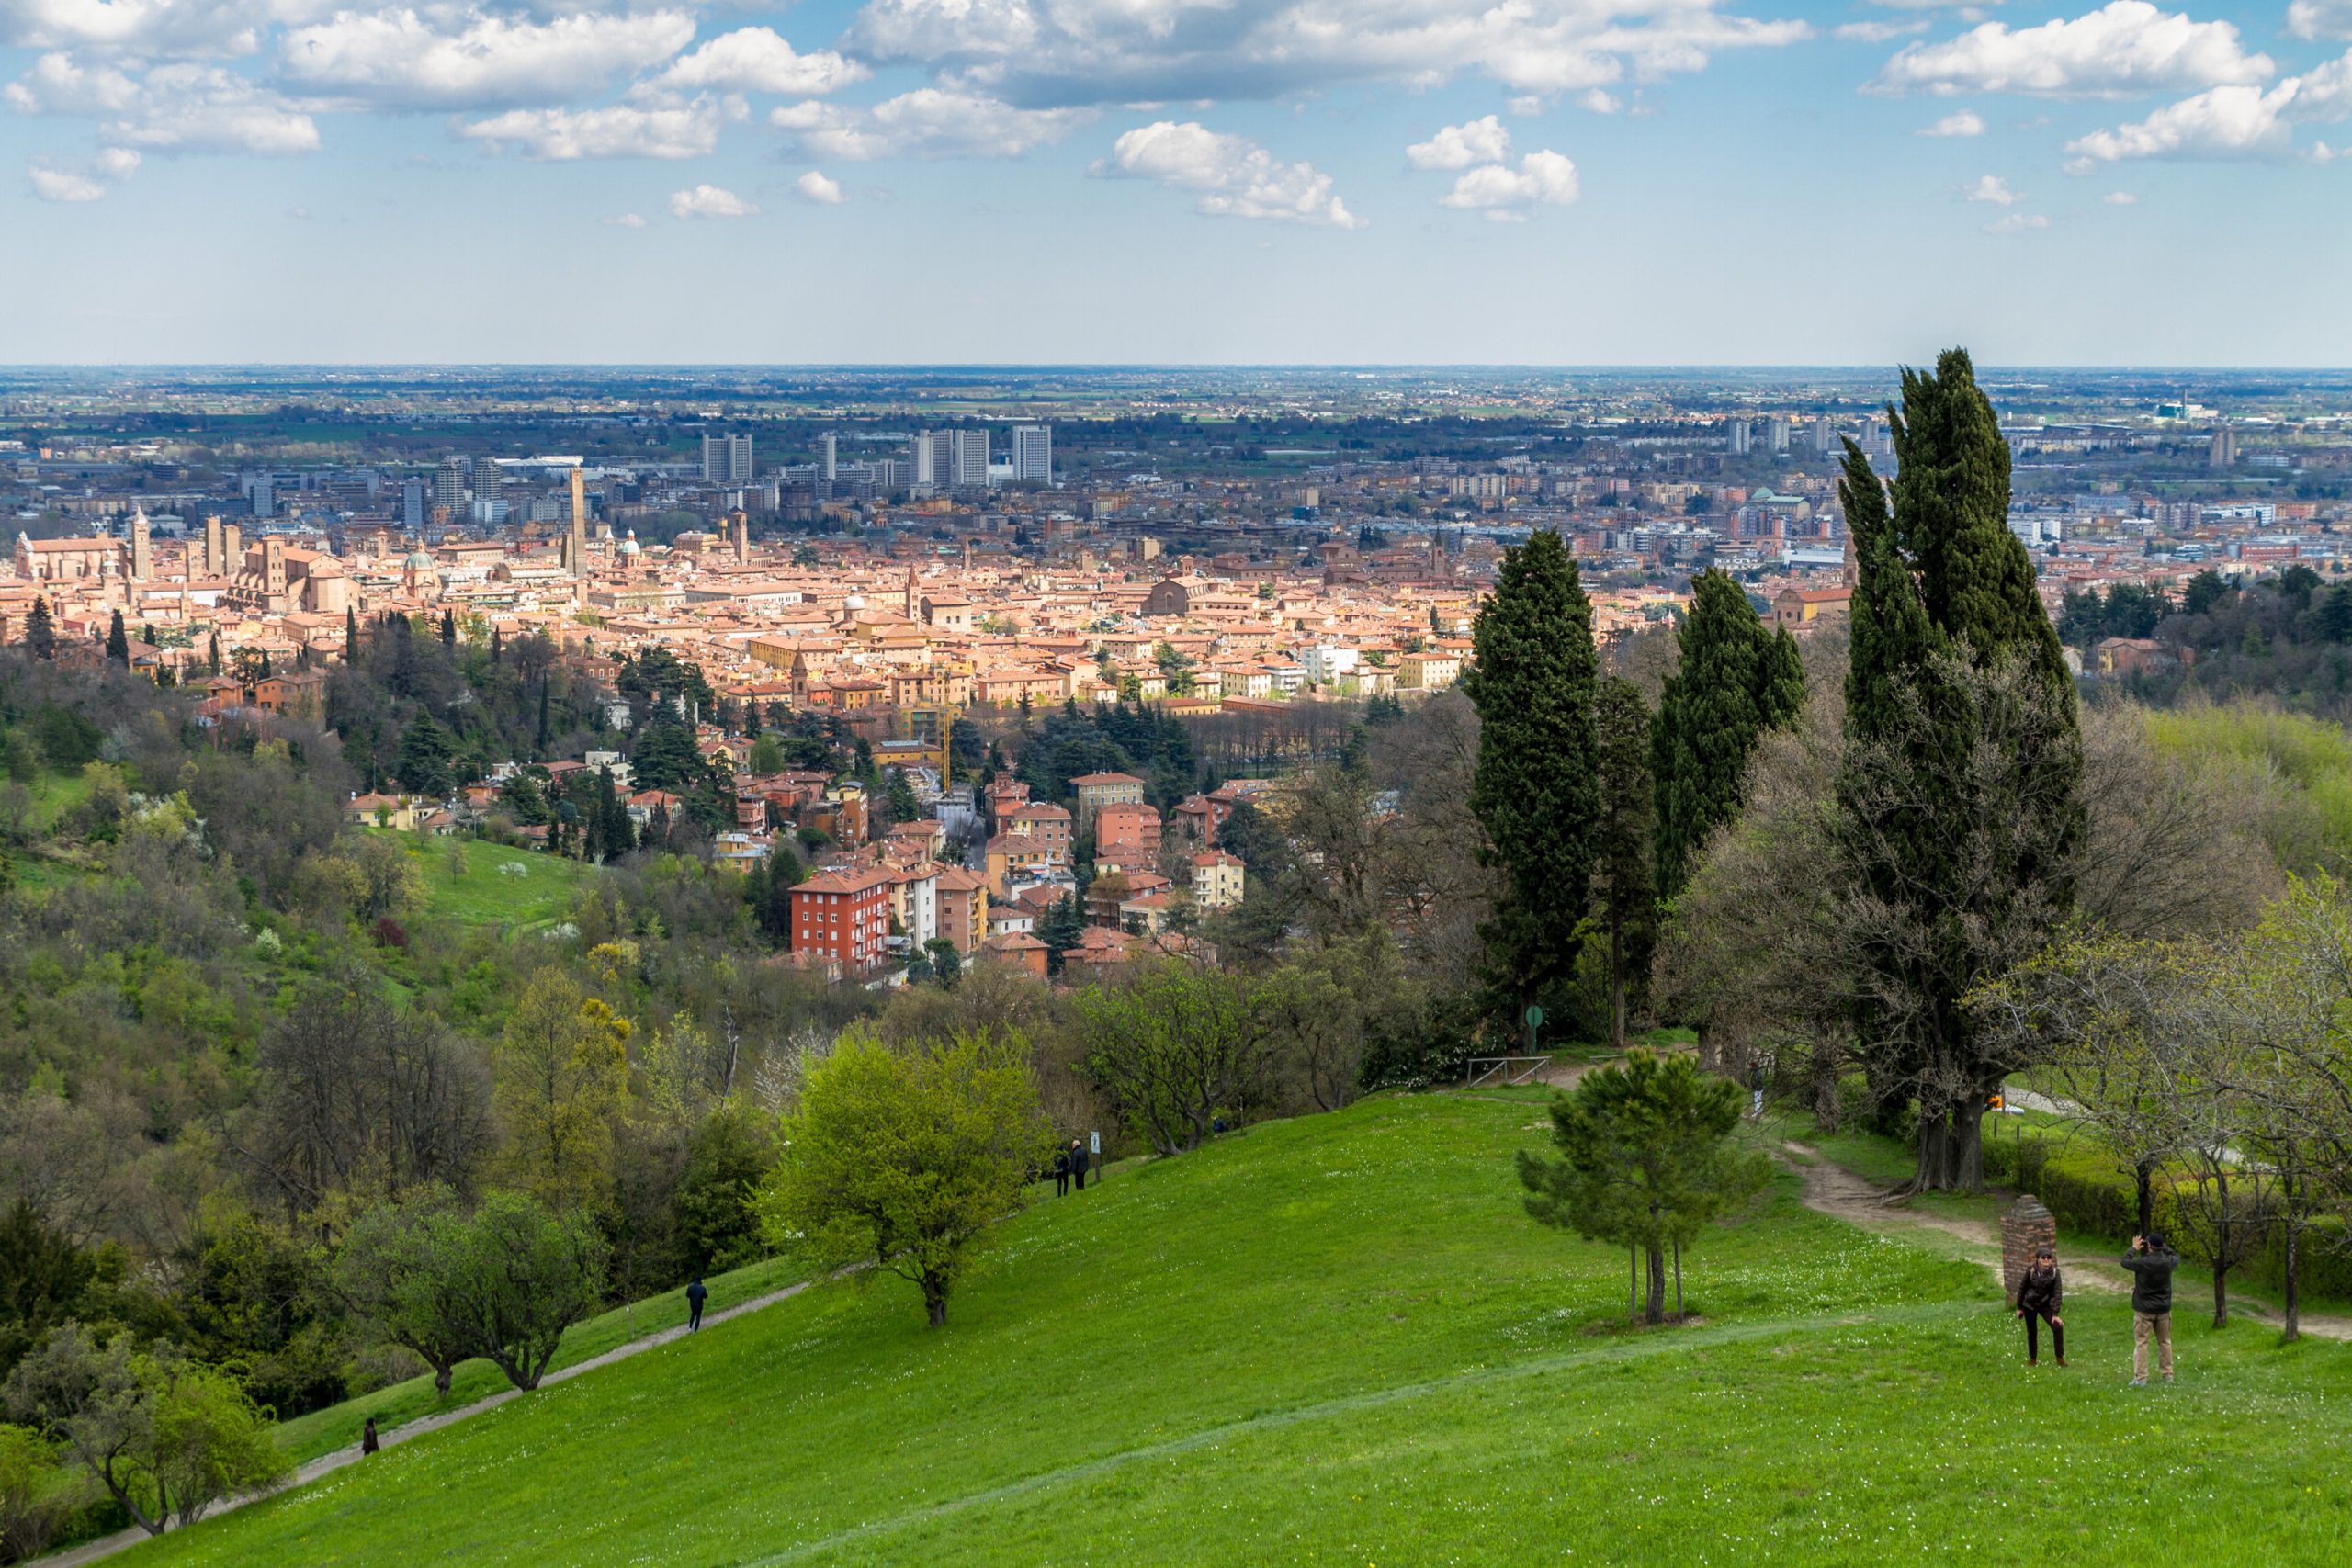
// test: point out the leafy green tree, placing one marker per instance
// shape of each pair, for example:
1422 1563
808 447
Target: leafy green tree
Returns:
1645 1160
44 1280
2206 592
559 1079
768 757
1625 894
899 795
38 1494
401 1271
426 753
1061 929
1173 1046
527 1275
1536 789
906 1157
2334 613
1736 681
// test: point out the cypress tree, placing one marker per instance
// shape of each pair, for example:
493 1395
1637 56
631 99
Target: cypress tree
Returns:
448 628
1940 573
147 634
1734 681
117 643
350 634
212 659
1627 902
1535 788
543 714
497 646
40 630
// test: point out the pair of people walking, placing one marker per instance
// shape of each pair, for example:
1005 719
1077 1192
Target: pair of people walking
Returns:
1070 1167
2041 1300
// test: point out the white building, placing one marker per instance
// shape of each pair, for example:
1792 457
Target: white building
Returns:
967 458
1328 662
1739 438
726 459
930 461
1033 454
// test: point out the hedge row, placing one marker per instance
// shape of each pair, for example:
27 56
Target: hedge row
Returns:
2097 1200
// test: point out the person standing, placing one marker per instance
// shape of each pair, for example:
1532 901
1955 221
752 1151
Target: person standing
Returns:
1077 1163
2151 1263
2040 1296
367 1443
696 1293
1061 1173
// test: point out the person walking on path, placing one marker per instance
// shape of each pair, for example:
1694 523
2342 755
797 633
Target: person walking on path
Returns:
1077 1163
696 1293
1061 1173
2039 1299
367 1444
2151 1263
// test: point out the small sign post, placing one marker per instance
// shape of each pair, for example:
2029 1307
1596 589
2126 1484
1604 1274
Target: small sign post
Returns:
1094 1147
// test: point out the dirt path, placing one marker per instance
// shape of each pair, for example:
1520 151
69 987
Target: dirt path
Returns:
328 1463
1830 1189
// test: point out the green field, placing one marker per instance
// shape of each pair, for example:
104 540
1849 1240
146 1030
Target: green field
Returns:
1339 1341
484 894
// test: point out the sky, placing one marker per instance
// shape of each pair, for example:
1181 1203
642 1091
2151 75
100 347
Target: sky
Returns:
1541 182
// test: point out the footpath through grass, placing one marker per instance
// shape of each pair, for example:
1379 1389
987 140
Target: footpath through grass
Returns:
1340 1340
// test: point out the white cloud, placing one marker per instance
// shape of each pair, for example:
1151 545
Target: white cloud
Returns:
407 59
2120 199
57 184
615 130
1545 178
1875 33
1459 146
625 221
814 186
709 201
150 29
1995 189
1236 177
1130 51
1599 102
2226 123
1526 106
2015 223
60 84
1961 124
2319 18
202 109
2126 47
929 122
755 60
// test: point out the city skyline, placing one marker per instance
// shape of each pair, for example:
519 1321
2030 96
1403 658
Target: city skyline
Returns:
1285 182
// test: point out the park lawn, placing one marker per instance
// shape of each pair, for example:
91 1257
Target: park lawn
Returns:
483 894
1339 1339
337 1426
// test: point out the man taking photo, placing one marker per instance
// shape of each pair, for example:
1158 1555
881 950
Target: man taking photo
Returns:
2151 1263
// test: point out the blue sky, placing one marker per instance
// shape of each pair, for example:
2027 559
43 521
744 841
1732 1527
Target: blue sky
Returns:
1172 181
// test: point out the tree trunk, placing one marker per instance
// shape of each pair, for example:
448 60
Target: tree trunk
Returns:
442 1372
2141 1174
934 1298
1633 1285
1967 1149
2294 1328
1931 1169
1679 1313
1710 1056
2221 1296
1657 1285
1616 986
1827 1111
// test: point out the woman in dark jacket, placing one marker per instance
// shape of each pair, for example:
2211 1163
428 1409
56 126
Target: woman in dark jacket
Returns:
2040 1295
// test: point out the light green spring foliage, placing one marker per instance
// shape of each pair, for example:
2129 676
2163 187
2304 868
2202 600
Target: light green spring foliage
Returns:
903 1157
2299 765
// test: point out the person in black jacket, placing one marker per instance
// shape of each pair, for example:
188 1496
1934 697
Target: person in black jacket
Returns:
2040 1295
1061 1173
696 1293
367 1443
2151 1263
1077 1163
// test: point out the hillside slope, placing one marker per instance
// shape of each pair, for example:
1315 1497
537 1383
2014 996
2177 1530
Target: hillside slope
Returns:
1339 1341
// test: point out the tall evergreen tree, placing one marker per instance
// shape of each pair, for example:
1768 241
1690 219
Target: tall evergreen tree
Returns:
425 757
497 646
350 634
118 642
212 659
1735 680
1622 884
542 744
1535 788
40 630
1932 772
448 628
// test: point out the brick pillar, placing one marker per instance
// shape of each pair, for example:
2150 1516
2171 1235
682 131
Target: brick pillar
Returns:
2026 1228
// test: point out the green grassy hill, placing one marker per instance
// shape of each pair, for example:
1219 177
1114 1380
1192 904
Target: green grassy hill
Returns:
468 882
1339 1341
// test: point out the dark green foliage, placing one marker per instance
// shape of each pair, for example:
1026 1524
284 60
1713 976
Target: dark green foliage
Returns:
1536 790
44 1280
2126 610
899 796
40 630
1644 1160
663 756
423 762
1117 739
1626 899
2206 590
1734 681
768 890
730 1152
68 740
117 643
1061 929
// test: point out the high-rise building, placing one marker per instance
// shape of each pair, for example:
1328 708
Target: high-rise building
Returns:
726 459
2224 451
967 458
265 495
450 485
575 537
1825 438
827 458
1776 435
486 480
413 505
1739 438
1033 454
928 461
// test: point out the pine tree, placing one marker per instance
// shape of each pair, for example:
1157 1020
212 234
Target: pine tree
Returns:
1535 788
1736 681
1064 924
40 630
117 643
1621 841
